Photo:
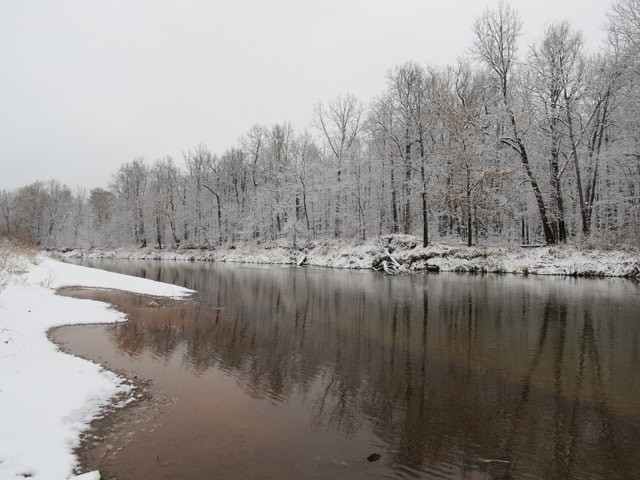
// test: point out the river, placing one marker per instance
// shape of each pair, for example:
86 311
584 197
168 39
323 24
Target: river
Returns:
283 372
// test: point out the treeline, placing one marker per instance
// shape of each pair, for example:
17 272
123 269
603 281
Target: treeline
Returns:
512 145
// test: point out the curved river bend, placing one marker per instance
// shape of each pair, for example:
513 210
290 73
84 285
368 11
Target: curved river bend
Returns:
304 373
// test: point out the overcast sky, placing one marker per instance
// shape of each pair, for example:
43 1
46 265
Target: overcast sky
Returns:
87 85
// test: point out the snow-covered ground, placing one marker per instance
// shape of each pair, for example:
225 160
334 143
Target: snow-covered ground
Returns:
47 398
407 251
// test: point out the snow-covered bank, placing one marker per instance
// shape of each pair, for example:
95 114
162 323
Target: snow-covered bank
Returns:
47 398
408 252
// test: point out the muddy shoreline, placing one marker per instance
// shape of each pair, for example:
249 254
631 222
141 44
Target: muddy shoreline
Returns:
137 411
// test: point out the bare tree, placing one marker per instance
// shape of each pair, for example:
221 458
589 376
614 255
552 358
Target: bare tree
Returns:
58 206
101 204
497 32
279 155
129 184
167 179
407 94
340 122
623 27
253 147
623 211
199 163
381 124
558 69
402 121
306 161
38 212
471 176
6 213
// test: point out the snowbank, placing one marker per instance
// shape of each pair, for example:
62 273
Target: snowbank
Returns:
408 252
47 398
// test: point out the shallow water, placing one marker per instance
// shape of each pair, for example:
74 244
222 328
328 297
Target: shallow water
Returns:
303 373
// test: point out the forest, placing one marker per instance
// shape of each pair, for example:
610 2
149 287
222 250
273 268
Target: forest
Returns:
512 145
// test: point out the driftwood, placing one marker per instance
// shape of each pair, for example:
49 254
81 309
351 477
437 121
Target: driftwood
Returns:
389 264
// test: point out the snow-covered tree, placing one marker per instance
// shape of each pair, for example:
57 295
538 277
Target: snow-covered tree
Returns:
129 185
496 45
341 123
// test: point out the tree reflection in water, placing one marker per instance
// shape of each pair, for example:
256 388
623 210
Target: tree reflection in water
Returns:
458 376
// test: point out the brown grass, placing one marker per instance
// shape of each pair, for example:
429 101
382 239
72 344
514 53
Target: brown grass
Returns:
13 257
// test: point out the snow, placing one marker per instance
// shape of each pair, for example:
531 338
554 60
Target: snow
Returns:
409 253
48 398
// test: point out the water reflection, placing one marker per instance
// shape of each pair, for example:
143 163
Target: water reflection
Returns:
458 376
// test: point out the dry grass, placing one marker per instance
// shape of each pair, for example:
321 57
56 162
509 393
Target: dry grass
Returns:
14 259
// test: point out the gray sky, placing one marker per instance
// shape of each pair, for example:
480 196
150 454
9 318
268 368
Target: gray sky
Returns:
86 85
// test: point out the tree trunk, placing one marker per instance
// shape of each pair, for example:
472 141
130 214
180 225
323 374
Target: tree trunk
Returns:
594 154
469 229
337 226
425 219
394 201
407 185
524 159
576 163
218 213
158 231
554 180
142 235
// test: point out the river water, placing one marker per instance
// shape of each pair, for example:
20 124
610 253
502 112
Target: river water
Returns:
296 373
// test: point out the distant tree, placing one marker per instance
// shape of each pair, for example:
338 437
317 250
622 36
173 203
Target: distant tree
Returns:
279 154
102 204
6 213
159 202
167 179
252 145
235 182
59 202
406 94
199 164
129 185
29 218
40 211
623 27
75 232
305 170
341 124
381 123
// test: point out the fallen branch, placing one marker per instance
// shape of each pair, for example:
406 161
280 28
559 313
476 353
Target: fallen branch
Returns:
389 264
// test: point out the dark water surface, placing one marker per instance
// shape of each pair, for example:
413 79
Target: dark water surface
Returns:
296 373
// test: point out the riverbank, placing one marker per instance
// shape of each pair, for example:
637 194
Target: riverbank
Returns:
403 253
48 398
